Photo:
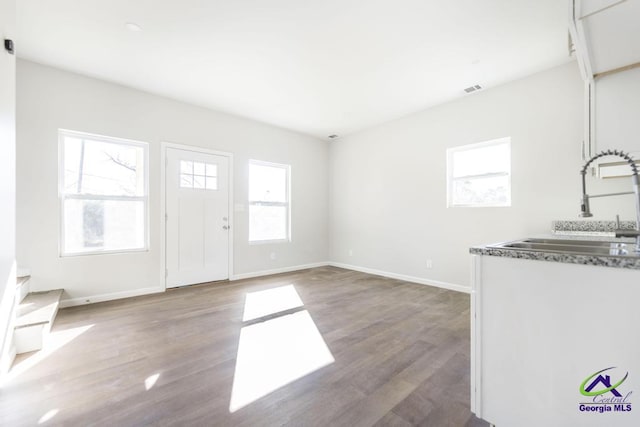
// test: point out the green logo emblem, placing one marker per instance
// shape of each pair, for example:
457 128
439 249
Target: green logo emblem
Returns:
604 380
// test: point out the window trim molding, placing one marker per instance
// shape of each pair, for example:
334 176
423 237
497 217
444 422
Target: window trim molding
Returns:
451 179
286 204
62 196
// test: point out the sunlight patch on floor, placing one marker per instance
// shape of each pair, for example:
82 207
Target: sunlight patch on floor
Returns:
151 381
278 351
46 417
270 301
55 341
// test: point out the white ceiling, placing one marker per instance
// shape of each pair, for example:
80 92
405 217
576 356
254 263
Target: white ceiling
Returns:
315 66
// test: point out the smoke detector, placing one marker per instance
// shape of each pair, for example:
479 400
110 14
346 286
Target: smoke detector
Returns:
472 88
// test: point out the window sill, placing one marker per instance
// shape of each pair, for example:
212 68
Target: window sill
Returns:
110 252
268 242
480 206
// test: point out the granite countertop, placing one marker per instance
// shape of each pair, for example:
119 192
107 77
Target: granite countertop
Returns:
616 261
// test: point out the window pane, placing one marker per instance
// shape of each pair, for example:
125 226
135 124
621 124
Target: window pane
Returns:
71 162
267 222
186 166
186 181
267 183
212 183
95 225
198 182
481 160
98 167
212 169
198 168
481 191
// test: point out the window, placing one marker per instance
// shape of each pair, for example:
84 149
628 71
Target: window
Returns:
268 202
479 174
198 175
103 194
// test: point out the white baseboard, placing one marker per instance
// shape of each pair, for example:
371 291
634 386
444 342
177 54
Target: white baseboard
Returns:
108 297
145 291
277 271
412 279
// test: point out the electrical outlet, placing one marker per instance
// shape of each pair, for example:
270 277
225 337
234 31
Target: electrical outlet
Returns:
273 255
429 263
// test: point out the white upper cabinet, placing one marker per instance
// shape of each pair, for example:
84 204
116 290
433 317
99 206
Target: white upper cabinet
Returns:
607 40
612 32
617 112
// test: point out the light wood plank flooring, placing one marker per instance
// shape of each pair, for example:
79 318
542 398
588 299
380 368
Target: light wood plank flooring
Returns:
400 350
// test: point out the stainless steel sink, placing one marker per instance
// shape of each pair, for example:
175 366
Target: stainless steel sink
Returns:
574 242
579 247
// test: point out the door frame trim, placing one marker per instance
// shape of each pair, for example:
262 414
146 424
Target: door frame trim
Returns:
163 202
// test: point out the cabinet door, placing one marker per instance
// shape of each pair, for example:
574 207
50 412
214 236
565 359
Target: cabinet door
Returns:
617 112
608 34
542 328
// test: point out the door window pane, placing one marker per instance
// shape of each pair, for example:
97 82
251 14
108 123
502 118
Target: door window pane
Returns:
198 175
212 183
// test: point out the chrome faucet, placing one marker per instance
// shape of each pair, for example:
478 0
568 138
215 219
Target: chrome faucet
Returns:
584 205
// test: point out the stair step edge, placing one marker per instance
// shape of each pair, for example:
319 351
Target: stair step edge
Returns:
20 281
28 325
23 272
38 308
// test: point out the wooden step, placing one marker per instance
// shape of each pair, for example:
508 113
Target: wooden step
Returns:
22 288
36 314
23 271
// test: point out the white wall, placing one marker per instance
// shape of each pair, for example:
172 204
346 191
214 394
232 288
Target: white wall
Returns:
7 180
388 184
49 99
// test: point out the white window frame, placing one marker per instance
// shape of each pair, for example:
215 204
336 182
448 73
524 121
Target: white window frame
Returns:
286 204
451 179
62 196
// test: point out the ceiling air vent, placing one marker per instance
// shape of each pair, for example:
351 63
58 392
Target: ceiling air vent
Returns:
472 88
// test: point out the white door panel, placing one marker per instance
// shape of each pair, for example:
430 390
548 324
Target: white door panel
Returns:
197 220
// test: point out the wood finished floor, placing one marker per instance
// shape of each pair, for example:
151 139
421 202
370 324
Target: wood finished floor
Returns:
401 355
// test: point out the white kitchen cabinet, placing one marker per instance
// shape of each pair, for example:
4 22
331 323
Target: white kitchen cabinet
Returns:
540 328
606 36
611 32
617 111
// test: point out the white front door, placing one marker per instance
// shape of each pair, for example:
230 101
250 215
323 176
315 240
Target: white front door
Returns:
197 217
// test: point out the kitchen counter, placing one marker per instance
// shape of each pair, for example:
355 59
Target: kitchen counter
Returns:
615 261
541 332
